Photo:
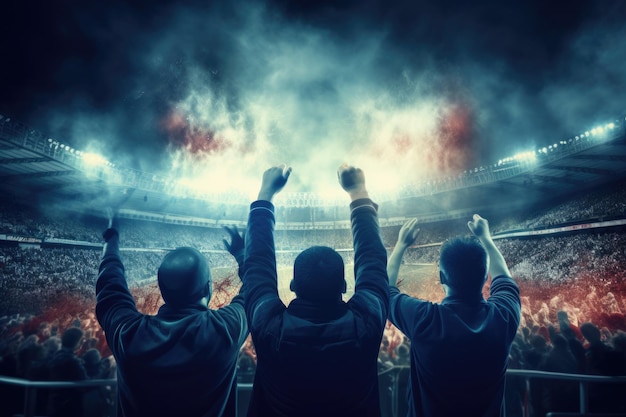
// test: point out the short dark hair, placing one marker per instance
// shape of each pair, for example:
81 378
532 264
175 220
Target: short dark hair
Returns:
71 338
591 332
184 277
463 261
319 275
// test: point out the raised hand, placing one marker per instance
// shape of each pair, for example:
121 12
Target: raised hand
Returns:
352 180
479 227
408 233
236 246
113 224
274 179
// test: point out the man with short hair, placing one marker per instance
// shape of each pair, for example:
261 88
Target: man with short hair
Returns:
183 360
65 365
459 347
317 356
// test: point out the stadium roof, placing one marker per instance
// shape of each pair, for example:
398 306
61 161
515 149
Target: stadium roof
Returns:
41 171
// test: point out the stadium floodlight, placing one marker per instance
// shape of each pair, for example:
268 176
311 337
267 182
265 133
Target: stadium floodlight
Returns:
93 159
530 156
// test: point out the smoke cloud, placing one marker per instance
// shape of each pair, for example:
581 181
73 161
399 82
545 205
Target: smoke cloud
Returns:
213 95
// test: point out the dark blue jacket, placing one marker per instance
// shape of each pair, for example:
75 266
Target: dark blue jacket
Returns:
316 360
181 362
459 350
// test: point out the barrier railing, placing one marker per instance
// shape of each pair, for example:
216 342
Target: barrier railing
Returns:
31 387
583 386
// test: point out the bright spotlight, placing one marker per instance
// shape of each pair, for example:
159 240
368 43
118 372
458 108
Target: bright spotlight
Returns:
93 159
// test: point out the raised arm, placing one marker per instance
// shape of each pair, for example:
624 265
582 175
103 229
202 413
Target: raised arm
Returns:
371 287
480 228
407 235
114 302
260 282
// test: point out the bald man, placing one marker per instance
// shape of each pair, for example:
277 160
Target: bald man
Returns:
183 360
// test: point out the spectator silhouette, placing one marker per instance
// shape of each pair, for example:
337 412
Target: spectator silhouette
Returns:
183 360
575 346
66 366
31 359
459 347
97 401
318 355
560 395
32 364
534 357
603 359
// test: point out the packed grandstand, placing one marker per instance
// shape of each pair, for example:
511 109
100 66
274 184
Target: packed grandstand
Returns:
567 255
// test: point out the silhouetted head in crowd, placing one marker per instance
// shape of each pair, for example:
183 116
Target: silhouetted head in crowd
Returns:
71 338
619 341
538 342
185 278
91 359
591 332
319 275
559 342
463 266
52 344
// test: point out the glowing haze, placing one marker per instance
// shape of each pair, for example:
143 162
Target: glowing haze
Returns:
298 96
212 95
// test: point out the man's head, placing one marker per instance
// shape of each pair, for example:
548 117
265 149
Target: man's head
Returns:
591 332
71 338
463 265
184 277
318 275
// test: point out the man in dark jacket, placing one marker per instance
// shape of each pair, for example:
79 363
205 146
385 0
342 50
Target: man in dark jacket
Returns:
318 356
459 347
181 362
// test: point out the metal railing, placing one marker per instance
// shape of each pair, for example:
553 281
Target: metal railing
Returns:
583 385
31 387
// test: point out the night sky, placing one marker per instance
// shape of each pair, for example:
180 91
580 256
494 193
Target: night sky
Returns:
407 90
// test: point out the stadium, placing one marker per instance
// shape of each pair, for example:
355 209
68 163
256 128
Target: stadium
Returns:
168 114
559 219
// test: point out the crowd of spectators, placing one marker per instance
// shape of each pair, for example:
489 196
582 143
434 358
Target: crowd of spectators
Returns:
609 201
64 349
47 290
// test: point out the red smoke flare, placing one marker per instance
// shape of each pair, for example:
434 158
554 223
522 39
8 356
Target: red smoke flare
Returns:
198 141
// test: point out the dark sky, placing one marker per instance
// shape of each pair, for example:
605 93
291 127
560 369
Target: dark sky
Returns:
407 90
